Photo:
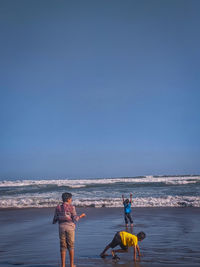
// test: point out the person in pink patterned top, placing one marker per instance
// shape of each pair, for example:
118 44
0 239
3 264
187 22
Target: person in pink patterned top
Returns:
65 215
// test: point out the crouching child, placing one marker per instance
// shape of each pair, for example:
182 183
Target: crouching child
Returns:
124 240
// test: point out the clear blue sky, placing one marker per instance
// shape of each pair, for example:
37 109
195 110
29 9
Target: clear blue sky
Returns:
99 88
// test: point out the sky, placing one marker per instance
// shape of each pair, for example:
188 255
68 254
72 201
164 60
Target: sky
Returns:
99 88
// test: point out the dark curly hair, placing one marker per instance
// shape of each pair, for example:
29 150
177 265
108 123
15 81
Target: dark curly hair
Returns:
141 236
66 196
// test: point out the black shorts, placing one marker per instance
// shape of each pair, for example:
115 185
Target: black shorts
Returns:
127 217
117 241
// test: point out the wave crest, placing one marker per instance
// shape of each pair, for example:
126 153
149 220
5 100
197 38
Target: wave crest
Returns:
85 182
40 202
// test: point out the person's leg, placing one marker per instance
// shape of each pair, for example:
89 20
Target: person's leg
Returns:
113 244
122 250
71 256
63 257
104 251
126 220
70 237
119 250
130 218
114 255
63 245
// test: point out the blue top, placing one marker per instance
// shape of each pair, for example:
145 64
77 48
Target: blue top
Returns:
127 207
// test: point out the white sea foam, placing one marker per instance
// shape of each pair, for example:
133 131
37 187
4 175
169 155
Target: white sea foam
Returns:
85 182
39 201
44 193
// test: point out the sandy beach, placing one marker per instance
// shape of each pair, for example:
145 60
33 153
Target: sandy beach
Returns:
28 238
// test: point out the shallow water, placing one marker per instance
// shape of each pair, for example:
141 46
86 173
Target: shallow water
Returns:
27 237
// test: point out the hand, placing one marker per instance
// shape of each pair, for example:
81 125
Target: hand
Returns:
82 215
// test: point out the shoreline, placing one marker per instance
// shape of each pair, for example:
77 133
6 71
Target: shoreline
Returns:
98 208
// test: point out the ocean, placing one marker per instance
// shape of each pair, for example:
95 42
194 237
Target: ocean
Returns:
148 191
28 238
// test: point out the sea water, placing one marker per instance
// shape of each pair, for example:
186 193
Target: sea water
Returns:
148 191
29 239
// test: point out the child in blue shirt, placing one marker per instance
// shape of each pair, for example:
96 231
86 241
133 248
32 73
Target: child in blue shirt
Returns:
127 210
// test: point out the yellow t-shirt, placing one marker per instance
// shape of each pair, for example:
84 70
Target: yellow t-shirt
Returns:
128 239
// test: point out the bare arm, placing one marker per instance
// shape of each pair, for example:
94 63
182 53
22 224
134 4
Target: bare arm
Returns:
75 216
134 253
138 250
123 198
131 196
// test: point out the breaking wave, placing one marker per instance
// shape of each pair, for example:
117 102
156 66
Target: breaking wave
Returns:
85 182
50 201
149 191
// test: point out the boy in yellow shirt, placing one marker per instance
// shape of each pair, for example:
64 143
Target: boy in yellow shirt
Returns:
124 240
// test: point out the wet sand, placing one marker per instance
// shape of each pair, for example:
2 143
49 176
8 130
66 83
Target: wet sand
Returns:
28 238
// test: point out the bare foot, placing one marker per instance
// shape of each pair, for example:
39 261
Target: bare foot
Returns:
116 258
113 253
103 255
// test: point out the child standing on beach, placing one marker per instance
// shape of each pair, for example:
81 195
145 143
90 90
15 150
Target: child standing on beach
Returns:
127 210
66 216
124 240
